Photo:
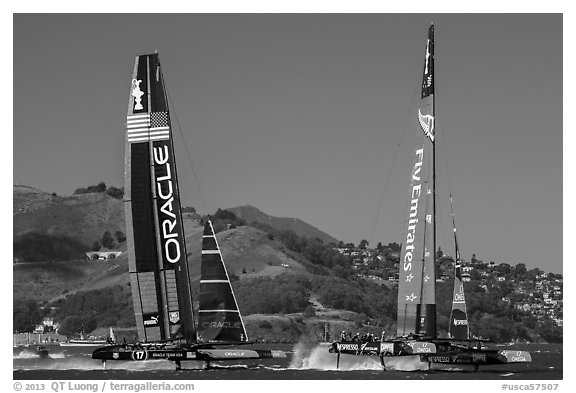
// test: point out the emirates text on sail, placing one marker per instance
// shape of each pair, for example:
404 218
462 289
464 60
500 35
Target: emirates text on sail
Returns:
413 221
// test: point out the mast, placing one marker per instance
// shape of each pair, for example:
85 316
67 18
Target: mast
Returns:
157 257
431 308
416 287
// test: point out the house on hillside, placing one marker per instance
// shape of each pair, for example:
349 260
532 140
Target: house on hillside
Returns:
103 255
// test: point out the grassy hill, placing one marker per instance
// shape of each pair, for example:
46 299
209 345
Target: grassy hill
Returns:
247 252
301 284
253 258
48 281
67 226
251 214
83 217
244 249
44 221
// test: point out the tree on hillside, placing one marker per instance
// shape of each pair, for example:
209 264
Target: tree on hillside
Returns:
120 236
363 244
96 246
26 314
503 268
224 215
100 187
520 269
114 192
309 312
74 324
107 240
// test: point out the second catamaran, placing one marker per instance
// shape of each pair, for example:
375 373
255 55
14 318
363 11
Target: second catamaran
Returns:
416 319
157 258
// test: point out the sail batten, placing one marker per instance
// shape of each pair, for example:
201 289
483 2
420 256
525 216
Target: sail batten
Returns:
219 318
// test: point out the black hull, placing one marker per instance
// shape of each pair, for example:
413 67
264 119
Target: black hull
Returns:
432 352
181 352
386 348
451 353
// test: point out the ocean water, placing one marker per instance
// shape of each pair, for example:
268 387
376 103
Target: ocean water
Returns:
303 362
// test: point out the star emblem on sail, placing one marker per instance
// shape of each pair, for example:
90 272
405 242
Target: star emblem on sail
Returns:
409 277
427 124
411 297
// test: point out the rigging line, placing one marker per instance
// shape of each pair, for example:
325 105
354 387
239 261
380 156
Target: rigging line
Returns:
445 154
441 224
402 132
445 151
204 206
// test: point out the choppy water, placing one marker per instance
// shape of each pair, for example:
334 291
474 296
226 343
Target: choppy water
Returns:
304 362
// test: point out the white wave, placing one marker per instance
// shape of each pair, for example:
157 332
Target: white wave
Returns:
231 366
318 358
26 354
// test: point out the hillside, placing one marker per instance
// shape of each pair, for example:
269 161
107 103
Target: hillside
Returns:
83 217
288 286
251 214
29 198
247 251
260 264
46 282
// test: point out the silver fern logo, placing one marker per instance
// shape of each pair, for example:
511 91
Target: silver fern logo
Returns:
427 124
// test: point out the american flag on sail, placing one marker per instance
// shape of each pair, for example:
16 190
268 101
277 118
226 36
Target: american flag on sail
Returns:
144 127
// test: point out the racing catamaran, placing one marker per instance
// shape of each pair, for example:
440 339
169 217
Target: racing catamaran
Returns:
157 258
416 319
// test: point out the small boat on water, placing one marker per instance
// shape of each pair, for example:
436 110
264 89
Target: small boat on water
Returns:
41 351
83 342
90 341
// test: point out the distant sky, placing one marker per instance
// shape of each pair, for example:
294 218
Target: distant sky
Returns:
313 116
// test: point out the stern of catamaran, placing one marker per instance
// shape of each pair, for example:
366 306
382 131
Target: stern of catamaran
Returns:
511 356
